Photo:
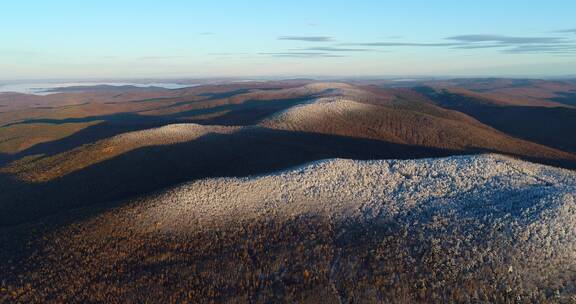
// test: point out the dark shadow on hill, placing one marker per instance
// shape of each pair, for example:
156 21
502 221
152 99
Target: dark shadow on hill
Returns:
228 94
208 97
248 113
120 117
271 104
559 163
567 98
255 151
554 127
90 134
4 158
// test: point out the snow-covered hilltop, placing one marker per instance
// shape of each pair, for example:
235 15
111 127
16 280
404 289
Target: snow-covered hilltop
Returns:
483 228
463 226
501 225
462 186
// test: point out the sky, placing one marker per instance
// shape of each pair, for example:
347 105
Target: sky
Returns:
217 38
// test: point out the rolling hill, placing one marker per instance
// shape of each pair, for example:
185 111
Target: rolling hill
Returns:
466 228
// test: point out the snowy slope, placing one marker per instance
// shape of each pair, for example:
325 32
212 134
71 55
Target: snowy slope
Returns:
515 217
491 184
484 228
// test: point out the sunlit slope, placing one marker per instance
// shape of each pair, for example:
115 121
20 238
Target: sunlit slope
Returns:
411 124
65 163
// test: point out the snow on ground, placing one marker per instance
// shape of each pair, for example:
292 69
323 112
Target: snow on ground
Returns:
515 216
300 116
335 116
170 134
489 183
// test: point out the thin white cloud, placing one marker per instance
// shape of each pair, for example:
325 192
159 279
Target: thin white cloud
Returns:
160 57
301 55
307 38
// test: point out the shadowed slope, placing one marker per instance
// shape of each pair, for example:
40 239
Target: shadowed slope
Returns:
251 151
567 98
239 106
22 137
509 92
552 126
49 168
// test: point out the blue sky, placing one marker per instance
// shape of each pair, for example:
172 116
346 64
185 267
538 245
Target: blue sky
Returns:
123 39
